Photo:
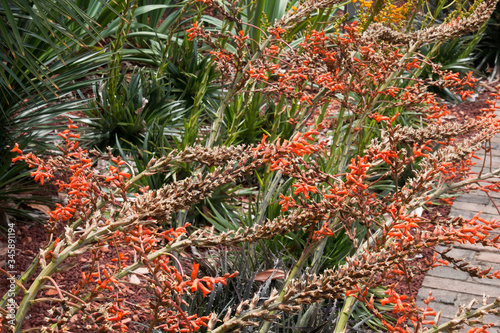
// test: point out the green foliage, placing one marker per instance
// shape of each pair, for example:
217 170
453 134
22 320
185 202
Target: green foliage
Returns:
40 76
35 35
192 77
44 73
16 192
250 115
153 144
141 101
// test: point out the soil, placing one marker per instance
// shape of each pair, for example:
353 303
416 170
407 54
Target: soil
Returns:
29 239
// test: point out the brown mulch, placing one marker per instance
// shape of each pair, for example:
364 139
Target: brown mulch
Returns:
418 263
29 238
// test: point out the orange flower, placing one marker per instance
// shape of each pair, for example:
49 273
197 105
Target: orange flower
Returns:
304 188
286 203
379 117
16 149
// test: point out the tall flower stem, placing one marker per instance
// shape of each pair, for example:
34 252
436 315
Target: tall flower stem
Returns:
235 86
293 273
127 16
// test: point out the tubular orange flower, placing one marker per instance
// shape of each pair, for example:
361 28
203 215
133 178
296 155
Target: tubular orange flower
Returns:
304 188
16 149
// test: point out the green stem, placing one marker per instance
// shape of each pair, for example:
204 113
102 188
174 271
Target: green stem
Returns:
128 9
295 270
173 27
25 277
35 287
345 314
214 132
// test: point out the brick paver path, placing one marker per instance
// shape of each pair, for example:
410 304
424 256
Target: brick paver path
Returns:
452 288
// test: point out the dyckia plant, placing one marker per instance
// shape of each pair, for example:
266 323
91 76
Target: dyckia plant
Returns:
369 70
87 230
95 219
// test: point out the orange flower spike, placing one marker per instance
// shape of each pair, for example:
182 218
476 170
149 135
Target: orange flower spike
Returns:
117 161
304 188
470 80
18 158
63 135
356 181
286 203
123 174
351 292
194 285
296 137
262 142
275 165
110 178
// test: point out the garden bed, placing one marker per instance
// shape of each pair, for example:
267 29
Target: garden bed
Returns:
31 237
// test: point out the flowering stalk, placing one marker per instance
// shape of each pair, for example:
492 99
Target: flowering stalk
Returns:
84 187
373 73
